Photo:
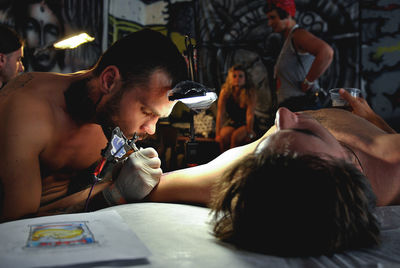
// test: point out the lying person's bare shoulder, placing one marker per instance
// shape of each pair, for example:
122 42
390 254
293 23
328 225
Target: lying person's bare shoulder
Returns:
343 124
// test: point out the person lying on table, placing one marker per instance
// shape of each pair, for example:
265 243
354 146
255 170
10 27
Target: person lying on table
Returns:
308 187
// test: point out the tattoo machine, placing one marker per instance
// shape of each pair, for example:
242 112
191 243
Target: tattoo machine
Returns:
117 150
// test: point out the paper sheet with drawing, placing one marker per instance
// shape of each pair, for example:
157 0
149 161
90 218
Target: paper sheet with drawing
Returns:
68 240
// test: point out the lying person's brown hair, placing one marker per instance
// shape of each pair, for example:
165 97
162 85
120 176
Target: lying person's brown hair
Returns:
295 205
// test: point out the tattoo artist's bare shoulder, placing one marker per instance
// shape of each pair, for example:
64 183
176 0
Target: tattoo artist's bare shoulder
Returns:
19 82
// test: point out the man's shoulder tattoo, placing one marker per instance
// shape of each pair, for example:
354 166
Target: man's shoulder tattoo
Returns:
19 82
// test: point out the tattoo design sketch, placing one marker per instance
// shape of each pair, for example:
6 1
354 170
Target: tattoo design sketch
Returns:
63 234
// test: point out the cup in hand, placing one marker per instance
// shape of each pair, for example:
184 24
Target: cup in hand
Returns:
338 102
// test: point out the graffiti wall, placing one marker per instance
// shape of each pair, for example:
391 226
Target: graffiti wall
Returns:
380 36
364 36
43 22
172 18
236 31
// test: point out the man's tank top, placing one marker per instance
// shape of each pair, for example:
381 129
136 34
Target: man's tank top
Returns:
289 70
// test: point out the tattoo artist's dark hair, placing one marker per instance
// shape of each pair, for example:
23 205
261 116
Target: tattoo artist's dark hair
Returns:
295 205
137 55
10 41
281 13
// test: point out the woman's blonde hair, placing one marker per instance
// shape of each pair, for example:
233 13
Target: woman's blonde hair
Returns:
249 86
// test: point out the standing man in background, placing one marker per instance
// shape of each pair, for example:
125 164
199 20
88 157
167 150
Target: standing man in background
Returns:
11 53
302 60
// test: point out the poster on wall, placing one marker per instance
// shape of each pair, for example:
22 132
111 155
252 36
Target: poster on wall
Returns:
174 19
43 23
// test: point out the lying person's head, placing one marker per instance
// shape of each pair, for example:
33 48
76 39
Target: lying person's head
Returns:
295 205
298 194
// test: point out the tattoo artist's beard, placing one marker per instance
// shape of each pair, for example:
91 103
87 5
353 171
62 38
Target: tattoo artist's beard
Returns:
142 136
82 109
108 111
106 114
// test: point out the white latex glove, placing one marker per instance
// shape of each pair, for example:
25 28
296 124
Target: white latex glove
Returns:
139 174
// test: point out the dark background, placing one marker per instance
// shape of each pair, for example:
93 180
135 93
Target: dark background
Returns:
363 34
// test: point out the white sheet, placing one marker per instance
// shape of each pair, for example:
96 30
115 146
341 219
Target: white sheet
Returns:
180 236
71 239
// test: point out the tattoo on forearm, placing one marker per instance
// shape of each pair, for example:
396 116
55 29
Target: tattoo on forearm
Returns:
71 209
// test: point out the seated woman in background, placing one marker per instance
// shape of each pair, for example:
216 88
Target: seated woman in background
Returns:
235 116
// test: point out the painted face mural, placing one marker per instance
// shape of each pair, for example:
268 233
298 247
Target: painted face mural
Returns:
43 29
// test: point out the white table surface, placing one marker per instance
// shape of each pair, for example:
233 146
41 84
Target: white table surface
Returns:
180 236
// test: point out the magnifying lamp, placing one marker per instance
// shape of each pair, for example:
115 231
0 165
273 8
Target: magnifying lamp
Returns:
195 96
